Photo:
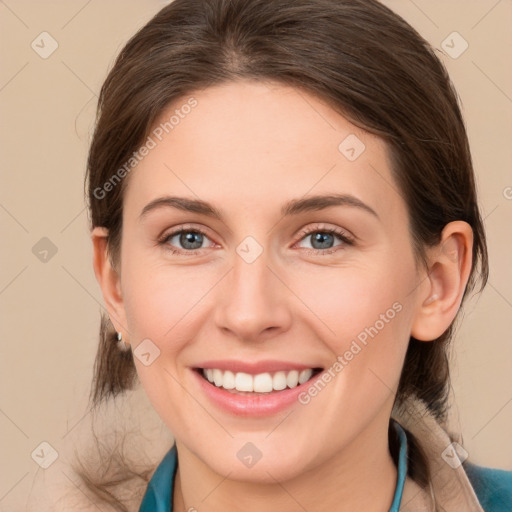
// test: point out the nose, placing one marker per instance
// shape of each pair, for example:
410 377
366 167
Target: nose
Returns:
253 303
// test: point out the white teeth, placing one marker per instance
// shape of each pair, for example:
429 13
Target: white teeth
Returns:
305 375
217 377
279 381
229 380
292 380
243 382
260 383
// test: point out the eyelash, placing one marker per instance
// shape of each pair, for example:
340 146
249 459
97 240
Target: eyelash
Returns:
342 235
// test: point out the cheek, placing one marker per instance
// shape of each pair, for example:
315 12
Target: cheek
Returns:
150 294
155 307
365 307
163 301
156 304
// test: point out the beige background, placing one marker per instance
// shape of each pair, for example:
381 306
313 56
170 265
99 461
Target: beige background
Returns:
50 310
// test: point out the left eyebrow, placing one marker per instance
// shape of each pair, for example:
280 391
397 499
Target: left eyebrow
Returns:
320 202
292 207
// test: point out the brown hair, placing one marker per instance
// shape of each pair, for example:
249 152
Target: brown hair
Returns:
359 57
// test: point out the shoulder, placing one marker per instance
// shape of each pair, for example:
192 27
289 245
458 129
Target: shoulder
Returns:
493 487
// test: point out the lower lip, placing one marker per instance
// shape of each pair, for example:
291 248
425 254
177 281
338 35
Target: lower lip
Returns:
259 404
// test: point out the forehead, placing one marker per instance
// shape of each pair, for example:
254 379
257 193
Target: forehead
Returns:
259 144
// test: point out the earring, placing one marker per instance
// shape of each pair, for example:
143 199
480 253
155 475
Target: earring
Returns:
122 345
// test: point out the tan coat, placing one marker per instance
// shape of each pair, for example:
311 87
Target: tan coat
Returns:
58 489
450 489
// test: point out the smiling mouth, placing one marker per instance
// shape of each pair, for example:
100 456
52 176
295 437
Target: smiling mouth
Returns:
261 383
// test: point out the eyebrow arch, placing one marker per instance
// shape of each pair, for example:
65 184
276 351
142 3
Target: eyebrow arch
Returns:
182 203
319 202
293 207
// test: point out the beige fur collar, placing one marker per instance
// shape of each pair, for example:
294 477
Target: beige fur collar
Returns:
58 489
451 489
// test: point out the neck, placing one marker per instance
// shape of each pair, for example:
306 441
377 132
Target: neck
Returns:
362 476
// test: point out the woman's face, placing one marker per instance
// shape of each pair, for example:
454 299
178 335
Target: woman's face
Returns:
277 284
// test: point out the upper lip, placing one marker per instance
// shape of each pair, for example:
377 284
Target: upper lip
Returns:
254 368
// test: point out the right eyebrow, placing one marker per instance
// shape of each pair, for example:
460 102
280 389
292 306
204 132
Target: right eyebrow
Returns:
182 203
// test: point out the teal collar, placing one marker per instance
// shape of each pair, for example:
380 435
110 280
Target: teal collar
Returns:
159 491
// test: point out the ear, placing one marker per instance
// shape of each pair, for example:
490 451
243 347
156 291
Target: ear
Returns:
109 281
449 266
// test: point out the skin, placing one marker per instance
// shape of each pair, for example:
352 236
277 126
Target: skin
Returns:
248 148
